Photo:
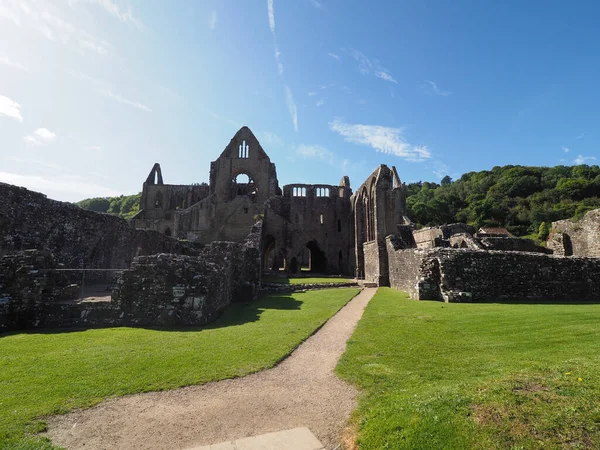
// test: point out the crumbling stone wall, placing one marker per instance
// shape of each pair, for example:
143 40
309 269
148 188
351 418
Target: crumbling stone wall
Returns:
376 263
161 289
576 238
76 238
449 274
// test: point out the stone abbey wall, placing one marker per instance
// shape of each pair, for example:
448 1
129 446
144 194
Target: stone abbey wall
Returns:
576 238
157 290
449 274
76 238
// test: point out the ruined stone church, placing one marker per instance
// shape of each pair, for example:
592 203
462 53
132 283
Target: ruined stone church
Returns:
318 227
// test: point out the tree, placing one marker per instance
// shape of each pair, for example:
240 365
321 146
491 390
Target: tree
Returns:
446 181
544 231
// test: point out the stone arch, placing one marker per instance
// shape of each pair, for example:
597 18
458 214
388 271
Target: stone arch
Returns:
317 257
155 175
242 184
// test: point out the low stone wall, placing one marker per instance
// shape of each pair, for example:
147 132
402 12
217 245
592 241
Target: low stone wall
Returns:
275 287
448 274
511 244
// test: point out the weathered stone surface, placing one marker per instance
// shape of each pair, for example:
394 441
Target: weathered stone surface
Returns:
576 238
449 274
76 238
158 290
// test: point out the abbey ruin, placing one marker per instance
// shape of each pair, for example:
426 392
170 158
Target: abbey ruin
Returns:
193 249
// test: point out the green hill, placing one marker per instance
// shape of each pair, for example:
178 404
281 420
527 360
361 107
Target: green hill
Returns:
520 198
125 206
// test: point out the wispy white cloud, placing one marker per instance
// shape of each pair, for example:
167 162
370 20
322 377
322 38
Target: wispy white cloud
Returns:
271 12
316 4
289 100
124 15
13 65
583 159
581 136
312 93
368 66
212 22
59 185
382 139
47 19
10 108
334 56
104 89
270 139
320 102
440 169
386 76
125 101
566 149
9 14
38 162
93 148
41 136
316 152
431 88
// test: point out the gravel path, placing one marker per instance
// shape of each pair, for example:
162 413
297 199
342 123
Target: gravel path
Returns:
301 391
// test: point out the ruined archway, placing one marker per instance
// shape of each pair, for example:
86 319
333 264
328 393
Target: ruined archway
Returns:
243 185
317 261
273 258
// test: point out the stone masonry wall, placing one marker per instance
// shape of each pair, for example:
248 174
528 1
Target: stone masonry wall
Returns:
577 238
492 276
158 290
76 238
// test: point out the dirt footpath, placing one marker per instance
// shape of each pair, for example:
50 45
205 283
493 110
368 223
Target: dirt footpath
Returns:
301 391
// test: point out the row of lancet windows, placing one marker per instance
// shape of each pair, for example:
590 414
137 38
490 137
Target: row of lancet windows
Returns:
243 150
299 192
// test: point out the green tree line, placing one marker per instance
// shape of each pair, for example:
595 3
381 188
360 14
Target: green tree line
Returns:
523 199
125 206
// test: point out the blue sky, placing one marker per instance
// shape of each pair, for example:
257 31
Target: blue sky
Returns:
94 92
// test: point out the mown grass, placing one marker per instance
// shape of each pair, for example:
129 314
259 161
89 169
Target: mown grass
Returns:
45 373
483 376
305 280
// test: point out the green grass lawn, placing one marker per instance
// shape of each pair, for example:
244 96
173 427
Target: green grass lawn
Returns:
44 373
306 280
483 376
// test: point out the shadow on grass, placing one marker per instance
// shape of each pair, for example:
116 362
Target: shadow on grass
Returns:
235 314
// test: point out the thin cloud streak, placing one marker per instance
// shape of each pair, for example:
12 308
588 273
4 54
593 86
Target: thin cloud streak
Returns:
368 66
125 101
289 98
382 139
115 10
431 88
212 23
12 64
